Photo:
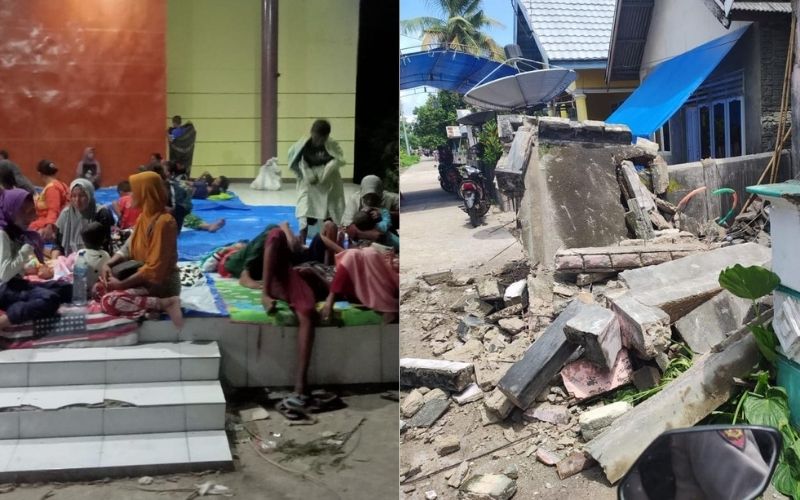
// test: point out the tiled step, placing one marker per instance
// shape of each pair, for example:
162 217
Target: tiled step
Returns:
94 457
97 410
157 362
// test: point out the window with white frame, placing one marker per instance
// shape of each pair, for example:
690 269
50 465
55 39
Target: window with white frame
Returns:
715 119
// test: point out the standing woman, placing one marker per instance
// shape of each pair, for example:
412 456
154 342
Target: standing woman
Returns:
156 285
51 201
81 211
316 160
89 167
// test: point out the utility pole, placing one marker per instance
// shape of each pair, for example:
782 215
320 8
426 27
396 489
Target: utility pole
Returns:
405 133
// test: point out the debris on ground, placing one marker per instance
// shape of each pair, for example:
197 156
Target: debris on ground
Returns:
578 357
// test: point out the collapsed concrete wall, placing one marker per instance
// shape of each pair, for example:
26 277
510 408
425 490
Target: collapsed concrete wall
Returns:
736 173
572 196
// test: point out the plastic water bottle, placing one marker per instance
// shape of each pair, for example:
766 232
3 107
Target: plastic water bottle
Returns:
80 279
346 241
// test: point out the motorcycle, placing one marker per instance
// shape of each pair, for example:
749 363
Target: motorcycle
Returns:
449 177
472 190
725 462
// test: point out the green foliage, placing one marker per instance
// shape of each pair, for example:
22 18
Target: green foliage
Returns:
676 366
458 29
407 160
751 282
492 147
432 117
769 406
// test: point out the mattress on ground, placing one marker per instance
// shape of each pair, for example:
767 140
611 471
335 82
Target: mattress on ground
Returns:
99 330
242 222
244 306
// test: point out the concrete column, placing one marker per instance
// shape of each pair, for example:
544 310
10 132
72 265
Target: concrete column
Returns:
269 79
580 104
795 96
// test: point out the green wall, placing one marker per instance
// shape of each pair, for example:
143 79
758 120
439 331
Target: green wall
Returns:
317 58
214 77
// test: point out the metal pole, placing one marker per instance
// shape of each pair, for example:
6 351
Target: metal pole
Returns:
269 80
405 133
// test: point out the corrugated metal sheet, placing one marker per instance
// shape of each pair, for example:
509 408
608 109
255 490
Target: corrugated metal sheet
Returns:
782 7
572 30
629 38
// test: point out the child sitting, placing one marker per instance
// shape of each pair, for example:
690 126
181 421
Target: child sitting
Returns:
127 214
92 256
20 252
380 219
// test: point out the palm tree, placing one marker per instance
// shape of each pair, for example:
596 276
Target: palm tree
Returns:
459 30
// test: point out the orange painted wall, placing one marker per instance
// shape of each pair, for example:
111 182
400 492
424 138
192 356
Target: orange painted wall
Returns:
78 73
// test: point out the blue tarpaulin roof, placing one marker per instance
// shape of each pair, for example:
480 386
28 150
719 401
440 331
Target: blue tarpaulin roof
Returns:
448 70
670 85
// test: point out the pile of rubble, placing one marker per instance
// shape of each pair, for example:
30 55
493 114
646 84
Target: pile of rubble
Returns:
543 351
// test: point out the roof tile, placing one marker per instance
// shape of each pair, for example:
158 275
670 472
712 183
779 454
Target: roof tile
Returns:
572 29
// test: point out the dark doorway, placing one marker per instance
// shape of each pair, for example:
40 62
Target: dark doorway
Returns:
377 101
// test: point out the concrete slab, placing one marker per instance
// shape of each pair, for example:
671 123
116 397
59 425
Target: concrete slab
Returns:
712 322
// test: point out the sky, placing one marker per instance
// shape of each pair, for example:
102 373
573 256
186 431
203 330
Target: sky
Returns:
500 10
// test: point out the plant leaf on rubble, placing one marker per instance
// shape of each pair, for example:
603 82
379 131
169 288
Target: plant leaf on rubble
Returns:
770 411
751 282
766 341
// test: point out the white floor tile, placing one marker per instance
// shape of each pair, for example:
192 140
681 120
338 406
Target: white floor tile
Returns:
157 350
56 453
149 394
53 397
7 447
131 450
9 425
199 349
66 372
68 354
208 446
16 355
126 371
202 391
199 369
143 420
61 423
14 375
205 417
12 396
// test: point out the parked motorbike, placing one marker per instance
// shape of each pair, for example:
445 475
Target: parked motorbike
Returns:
473 191
449 177
719 462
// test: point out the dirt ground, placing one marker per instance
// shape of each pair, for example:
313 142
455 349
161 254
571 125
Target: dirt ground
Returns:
363 467
441 239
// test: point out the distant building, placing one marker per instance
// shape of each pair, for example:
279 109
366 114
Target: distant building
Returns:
574 34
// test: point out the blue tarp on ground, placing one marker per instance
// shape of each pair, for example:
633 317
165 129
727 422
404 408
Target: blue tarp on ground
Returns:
243 222
670 85
448 70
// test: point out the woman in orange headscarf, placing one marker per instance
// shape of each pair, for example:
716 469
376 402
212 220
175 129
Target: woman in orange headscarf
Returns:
155 286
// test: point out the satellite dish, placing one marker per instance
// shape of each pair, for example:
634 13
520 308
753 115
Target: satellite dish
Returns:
522 90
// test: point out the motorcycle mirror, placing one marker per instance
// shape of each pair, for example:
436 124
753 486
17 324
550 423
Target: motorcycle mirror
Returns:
707 462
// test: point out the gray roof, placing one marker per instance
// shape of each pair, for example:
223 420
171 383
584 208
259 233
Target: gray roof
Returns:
783 7
572 30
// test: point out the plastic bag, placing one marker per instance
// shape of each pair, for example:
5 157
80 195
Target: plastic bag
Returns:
269 177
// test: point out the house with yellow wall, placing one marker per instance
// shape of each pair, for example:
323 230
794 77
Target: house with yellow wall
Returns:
573 34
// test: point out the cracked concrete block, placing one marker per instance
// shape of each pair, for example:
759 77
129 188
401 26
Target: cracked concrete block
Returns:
712 322
593 422
644 328
451 376
597 330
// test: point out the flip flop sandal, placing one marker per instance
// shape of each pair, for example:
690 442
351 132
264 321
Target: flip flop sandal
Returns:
290 413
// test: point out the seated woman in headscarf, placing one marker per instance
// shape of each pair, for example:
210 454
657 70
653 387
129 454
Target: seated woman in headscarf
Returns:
21 253
81 211
367 276
89 167
51 201
155 287
370 195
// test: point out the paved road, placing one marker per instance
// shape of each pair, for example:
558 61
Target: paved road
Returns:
437 235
